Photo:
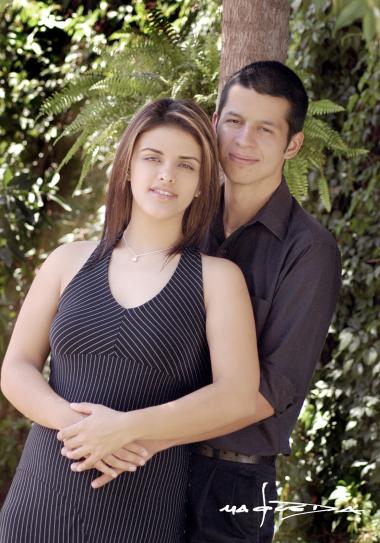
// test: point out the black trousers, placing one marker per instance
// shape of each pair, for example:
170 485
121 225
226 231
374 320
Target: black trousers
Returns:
215 484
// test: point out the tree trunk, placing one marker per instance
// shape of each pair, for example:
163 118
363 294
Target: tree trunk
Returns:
253 30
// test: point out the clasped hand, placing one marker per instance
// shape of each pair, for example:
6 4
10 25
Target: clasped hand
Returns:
100 424
103 432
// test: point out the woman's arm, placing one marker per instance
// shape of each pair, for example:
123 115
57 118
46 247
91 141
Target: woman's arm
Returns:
230 399
22 382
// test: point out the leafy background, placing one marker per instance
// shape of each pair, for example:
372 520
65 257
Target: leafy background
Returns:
335 48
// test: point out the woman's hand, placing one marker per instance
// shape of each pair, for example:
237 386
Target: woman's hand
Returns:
103 432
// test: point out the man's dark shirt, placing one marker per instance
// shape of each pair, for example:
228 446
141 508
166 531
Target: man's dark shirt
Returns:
293 271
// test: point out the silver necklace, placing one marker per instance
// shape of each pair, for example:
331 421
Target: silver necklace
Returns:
135 257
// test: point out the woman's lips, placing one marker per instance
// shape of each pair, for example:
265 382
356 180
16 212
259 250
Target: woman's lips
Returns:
162 194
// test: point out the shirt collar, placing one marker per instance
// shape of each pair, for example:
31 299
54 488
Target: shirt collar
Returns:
276 212
274 215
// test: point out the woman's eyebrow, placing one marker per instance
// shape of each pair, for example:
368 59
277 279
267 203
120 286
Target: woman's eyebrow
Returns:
189 158
151 149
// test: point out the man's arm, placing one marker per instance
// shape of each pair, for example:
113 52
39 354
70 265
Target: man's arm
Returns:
263 411
294 333
298 323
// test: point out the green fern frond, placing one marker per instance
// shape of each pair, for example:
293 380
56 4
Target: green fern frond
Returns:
316 159
319 136
316 129
100 141
296 172
78 144
207 60
75 91
85 170
159 24
313 152
88 117
324 192
148 49
99 144
355 152
207 101
182 83
128 85
323 107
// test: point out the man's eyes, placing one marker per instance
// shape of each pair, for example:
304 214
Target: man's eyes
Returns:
259 128
265 129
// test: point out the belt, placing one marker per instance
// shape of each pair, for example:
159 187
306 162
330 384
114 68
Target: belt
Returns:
230 456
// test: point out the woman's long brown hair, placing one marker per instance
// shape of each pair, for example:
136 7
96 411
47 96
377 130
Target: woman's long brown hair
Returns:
197 218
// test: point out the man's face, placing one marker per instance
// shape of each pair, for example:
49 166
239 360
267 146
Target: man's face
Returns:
252 133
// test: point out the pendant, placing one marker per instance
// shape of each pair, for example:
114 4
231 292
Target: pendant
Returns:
134 258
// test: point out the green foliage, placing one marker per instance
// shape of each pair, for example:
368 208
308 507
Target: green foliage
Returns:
160 63
368 11
12 432
337 442
135 70
319 137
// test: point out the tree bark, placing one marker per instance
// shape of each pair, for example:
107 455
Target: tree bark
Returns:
253 30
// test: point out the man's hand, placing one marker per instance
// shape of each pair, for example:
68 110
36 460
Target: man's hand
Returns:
130 457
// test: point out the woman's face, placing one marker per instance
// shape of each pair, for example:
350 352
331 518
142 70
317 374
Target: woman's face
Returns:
165 170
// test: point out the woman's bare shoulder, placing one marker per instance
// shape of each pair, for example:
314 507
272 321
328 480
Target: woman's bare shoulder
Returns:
67 259
216 266
220 273
72 253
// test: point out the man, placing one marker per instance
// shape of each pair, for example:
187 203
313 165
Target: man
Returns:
292 267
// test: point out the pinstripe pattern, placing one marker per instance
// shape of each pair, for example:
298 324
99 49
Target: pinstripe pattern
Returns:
125 359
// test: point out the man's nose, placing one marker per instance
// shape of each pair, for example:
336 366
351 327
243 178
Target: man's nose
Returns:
246 137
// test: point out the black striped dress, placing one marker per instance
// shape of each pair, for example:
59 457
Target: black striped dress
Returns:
125 359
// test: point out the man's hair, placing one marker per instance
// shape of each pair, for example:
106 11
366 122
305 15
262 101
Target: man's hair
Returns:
275 79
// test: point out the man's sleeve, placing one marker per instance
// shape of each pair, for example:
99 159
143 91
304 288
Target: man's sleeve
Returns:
297 324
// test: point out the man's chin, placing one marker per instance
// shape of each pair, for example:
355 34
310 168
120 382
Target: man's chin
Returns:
243 181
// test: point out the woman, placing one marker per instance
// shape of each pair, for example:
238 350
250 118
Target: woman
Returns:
132 325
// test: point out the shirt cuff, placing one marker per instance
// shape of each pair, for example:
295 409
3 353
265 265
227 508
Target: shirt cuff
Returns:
277 389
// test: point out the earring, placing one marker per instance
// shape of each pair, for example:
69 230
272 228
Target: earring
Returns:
197 194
